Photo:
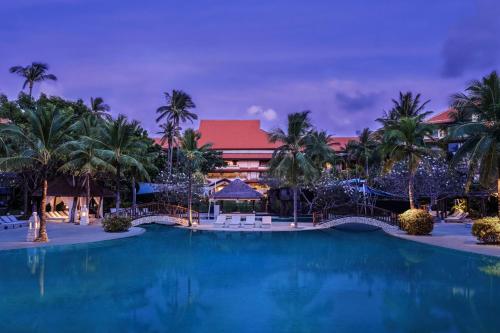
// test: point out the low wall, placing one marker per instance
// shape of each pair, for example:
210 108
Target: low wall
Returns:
361 220
159 219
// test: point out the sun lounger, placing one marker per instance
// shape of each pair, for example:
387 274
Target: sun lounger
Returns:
221 219
227 221
235 221
266 222
460 217
10 221
53 217
249 221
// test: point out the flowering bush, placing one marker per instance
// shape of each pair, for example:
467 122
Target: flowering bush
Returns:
487 230
416 222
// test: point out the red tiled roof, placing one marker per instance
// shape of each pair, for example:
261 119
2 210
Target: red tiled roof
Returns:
248 156
234 134
442 118
5 121
338 143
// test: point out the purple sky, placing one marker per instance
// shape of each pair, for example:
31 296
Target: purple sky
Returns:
344 60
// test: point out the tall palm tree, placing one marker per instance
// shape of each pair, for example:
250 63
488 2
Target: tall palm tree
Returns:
176 110
46 132
99 108
170 133
481 148
36 72
403 141
290 162
405 106
318 149
362 149
195 156
118 143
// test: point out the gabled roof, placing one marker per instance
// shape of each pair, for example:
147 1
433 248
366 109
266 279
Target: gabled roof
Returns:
237 190
234 134
444 117
338 143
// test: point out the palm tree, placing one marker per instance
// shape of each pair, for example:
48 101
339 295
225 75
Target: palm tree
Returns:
170 133
46 132
119 144
482 99
99 108
403 141
176 110
36 72
319 150
405 106
290 162
362 149
195 156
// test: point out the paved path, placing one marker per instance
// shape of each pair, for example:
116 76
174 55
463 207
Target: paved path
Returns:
62 233
453 236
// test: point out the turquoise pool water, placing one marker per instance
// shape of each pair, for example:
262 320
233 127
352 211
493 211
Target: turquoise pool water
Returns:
174 280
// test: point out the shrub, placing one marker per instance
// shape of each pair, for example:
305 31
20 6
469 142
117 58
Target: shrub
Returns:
487 230
116 224
416 222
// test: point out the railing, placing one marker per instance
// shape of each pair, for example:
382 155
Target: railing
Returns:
335 213
157 208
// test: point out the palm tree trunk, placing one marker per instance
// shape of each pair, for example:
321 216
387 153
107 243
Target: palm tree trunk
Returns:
134 193
72 213
30 89
170 156
366 167
42 234
117 194
498 195
411 194
25 197
295 207
190 198
87 186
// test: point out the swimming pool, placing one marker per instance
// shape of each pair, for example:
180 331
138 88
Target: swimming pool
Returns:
175 280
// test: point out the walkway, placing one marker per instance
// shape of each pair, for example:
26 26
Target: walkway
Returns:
276 226
62 233
452 236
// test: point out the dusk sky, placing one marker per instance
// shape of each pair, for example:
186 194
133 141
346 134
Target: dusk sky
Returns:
344 60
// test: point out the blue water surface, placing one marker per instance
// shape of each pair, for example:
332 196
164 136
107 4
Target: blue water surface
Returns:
176 280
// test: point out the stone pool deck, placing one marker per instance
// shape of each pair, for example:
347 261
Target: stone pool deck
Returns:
454 236
61 234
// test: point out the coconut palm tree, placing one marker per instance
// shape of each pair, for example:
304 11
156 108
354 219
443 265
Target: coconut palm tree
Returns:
362 149
194 156
403 141
290 162
169 134
176 110
46 132
319 150
99 108
36 72
118 143
481 148
405 106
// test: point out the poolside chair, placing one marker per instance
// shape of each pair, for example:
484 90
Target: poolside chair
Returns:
249 221
266 222
460 217
10 221
235 221
221 219
227 221
258 222
53 217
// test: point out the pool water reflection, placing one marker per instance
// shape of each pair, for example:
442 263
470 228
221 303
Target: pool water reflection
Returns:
175 280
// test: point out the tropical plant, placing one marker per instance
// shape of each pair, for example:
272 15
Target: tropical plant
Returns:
194 157
117 223
318 149
43 144
362 150
176 111
169 134
99 108
406 106
34 73
481 148
416 222
117 142
403 140
487 230
290 163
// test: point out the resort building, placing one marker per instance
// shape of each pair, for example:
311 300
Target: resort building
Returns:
443 121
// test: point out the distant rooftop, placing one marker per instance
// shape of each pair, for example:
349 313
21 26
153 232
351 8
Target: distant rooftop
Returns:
444 117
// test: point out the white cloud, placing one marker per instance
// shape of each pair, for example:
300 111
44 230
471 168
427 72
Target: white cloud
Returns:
267 114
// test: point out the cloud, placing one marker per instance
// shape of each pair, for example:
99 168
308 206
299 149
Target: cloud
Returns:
357 100
267 114
474 43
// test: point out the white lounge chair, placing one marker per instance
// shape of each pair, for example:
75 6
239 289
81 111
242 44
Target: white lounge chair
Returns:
235 221
249 221
10 221
258 222
227 221
53 217
221 219
266 222
460 217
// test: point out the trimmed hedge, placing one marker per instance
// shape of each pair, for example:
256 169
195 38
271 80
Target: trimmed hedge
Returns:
116 224
487 230
416 222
